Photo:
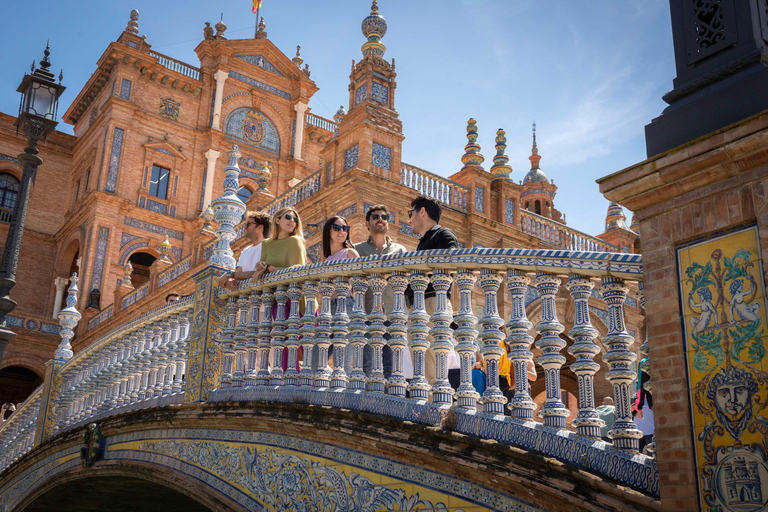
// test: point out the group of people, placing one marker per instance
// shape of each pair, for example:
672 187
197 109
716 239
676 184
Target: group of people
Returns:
9 407
278 243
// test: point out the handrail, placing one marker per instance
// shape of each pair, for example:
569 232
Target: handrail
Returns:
295 194
17 434
320 122
176 65
103 316
139 293
174 271
561 235
435 186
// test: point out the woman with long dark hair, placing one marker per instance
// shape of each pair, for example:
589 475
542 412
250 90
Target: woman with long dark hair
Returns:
336 242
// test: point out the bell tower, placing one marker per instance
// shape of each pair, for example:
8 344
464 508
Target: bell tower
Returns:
370 134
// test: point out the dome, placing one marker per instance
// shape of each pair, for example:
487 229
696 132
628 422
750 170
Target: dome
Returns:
535 176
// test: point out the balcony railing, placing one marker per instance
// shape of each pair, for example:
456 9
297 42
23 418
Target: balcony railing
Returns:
560 235
139 293
154 360
176 65
321 122
297 193
104 315
17 434
6 215
432 185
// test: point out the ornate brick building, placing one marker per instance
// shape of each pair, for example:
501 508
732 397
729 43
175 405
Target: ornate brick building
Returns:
120 202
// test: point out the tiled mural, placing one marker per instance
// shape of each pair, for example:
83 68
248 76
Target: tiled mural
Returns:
723 301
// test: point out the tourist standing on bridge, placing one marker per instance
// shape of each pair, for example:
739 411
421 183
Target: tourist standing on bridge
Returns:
285 250
379 243
257 227
424 217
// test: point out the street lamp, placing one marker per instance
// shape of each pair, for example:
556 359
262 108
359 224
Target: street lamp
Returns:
37 118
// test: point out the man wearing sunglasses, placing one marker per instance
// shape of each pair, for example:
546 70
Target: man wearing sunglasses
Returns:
377 221
257 228
424 217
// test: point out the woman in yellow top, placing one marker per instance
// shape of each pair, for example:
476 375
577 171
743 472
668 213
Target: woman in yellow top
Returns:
285 250
506 372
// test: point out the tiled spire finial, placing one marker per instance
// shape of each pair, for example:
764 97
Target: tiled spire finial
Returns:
297 59
501 167
472 156
133 23
374 28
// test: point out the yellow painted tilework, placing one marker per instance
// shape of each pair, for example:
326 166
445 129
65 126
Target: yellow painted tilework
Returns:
283 479
724 307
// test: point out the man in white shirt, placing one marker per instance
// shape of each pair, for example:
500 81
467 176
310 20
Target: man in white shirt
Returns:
257 228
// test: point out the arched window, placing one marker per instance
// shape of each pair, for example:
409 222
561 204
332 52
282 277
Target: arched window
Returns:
537 206
244 193
9 191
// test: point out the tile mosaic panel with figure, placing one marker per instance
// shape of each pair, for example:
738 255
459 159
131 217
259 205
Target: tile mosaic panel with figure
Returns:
723 303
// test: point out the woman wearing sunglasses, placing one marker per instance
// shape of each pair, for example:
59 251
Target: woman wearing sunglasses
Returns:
285 250
336 243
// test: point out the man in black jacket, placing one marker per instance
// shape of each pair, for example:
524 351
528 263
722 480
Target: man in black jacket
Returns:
424 217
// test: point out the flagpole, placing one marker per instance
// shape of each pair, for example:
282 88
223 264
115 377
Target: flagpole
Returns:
258 9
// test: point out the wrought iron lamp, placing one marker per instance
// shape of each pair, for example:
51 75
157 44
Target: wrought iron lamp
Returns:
37 118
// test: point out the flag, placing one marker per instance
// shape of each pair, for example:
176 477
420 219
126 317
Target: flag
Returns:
256 6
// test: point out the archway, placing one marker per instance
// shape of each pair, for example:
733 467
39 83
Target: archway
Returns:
116 494
17 383
140 261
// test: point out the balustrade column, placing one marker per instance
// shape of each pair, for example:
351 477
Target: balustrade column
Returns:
619 359
466 335
340 321
357 330
307 330
228 344
267 301
252 340
292 335
442 392
240 348
136 366
519 341
376 380
171 355
323 334
181 353
162 364
144 363
550 344
584 350
418 331
277 377
398 342
153 358
491 335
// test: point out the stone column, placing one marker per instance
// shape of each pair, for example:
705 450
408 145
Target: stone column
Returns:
61 284
212 155
221 77
300 108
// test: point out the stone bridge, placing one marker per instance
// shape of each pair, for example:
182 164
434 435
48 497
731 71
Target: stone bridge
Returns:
180 408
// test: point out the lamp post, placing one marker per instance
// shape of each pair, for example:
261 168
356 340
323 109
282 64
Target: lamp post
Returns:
37 118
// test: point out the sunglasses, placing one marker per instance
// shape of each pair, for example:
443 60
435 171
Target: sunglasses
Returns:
250 224
383 217
336 227
410 212
288 216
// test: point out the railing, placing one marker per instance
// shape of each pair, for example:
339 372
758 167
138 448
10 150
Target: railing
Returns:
174 271
432 185
139 293
104 315
137 366
321 122
297 193
560 235
143 364
17 434
6 215
176 65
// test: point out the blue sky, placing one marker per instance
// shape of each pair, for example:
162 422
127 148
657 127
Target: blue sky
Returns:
591 74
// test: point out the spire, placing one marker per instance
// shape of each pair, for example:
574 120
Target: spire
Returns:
261 33
374 28
297 59
534 158
500 167
221 27
635 226
133 23
472 157
615 217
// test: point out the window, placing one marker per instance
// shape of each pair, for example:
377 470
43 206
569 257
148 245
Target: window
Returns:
87 179
77 191
244 193
158 185
9 191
